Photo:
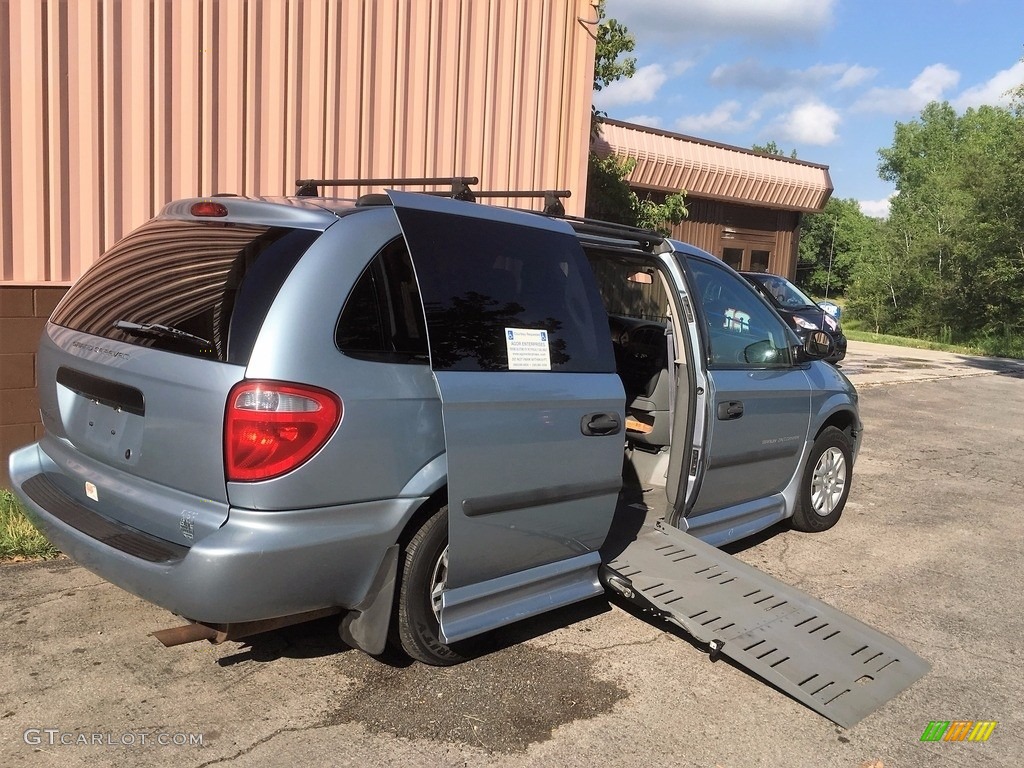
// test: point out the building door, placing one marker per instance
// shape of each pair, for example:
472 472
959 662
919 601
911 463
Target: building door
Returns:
746 258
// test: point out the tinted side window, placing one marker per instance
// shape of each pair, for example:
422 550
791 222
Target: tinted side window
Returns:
383 318
742 331
196 288
493 286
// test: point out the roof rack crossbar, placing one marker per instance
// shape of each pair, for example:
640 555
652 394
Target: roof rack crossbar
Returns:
460 189
552 198
459 184
645 238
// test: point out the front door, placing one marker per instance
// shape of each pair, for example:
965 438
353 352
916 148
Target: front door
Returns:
533 410
759 399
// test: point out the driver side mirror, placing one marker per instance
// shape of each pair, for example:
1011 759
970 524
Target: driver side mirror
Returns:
817 346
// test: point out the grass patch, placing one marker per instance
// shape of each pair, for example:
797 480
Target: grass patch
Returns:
19 539
903 341
981 348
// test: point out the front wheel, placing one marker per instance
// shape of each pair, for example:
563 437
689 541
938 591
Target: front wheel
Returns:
424 573
825 484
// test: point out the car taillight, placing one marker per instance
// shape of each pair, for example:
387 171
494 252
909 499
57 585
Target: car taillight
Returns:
208 208
271 428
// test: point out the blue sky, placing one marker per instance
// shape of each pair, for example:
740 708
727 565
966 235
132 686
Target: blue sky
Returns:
828 78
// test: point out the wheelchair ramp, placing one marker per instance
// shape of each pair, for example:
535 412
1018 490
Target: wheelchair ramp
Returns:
831 662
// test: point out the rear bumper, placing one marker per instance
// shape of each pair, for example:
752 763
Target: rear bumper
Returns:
256 566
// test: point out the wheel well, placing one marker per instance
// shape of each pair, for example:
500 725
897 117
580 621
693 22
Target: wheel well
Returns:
844 421
423 513
425 510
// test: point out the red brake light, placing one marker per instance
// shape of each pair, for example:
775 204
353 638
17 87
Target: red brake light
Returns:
208 208
271 428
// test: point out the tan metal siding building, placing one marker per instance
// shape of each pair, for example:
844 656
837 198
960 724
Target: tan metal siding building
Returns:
110 109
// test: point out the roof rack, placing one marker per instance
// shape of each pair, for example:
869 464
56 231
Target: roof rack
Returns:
552 198
459 185
646 239
605 232
459 189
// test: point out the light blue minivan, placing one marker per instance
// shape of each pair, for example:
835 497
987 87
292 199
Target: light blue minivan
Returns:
432 417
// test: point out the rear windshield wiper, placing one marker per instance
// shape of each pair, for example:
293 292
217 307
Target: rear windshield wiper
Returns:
165 331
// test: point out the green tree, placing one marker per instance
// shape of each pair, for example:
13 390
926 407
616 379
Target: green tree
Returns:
830 244
1017 97
951 258
881 284
993 233
613 41
609 195
771 148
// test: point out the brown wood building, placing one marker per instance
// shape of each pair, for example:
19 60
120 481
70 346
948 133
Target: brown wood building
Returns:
744 207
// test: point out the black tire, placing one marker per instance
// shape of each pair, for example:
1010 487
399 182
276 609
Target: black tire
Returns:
423 567
825 484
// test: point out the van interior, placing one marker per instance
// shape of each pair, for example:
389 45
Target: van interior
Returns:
636 296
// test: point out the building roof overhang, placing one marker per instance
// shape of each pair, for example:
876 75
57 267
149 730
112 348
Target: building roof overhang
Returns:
669 162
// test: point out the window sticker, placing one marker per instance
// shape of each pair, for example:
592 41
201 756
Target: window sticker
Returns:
528 349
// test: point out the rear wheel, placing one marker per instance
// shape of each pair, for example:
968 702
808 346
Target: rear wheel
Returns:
424 574
825 485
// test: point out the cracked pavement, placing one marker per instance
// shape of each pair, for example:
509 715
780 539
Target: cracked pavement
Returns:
928 551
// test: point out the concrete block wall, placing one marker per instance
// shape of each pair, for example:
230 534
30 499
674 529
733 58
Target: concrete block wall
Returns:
24 308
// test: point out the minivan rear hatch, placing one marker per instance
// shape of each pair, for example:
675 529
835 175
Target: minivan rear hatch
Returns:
137 362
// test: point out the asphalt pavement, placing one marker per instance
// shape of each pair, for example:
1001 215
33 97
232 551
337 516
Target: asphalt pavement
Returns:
928 551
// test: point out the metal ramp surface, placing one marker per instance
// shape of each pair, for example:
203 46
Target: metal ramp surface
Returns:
829 661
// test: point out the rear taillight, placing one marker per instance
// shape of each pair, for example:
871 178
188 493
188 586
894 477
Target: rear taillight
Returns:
208 208
271 428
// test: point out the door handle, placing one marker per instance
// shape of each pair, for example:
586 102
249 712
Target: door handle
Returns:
597 424
729 410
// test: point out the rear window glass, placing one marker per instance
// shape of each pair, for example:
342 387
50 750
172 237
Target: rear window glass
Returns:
198 289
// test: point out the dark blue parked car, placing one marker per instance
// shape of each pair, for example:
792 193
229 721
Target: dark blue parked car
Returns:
803 314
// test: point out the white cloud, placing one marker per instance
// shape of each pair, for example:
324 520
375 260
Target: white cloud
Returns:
809 123
995 91
854 76
777 21
877 209
722 119
680 67
930 85
640 88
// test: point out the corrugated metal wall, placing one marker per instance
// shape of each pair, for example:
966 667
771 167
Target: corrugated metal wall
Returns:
668 162
110 109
